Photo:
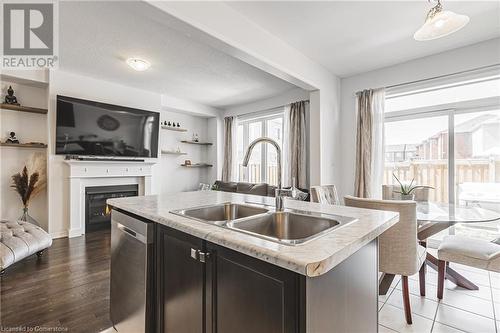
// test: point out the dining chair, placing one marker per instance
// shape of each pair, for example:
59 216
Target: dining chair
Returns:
326 194
466 251
399 251
389 192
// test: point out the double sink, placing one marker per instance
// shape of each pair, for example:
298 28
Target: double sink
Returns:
289 227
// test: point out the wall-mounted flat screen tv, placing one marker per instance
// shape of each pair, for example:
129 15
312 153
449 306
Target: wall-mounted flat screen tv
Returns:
99 129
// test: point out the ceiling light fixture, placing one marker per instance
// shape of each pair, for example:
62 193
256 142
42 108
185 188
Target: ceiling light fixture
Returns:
138 64
440 23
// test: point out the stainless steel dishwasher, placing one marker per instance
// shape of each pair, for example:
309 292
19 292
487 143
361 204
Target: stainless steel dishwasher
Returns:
131 273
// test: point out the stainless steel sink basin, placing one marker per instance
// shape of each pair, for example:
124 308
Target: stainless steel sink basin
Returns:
222 213
289 227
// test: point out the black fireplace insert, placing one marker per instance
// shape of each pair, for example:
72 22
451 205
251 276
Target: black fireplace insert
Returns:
97 212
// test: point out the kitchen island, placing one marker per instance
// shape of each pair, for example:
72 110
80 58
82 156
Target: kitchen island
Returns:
204 277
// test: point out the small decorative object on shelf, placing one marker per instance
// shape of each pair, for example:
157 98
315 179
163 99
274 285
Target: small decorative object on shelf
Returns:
165 123
10 98
195 137
168 124
178 150
187 162
12 138
178 125
28 186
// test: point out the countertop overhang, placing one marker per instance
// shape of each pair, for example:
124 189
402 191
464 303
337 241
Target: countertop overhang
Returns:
310 259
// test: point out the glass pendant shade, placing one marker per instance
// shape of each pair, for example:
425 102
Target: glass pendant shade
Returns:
441 24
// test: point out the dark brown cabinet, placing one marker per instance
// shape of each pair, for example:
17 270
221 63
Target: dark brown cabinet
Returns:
251 295
180 283
203 287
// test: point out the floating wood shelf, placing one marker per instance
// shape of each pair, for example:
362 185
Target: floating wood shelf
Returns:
23 145
172 128
21 108
171 152
197 143
197 165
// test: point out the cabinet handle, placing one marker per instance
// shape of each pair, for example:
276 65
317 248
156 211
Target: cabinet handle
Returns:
200 256
204 256
194 254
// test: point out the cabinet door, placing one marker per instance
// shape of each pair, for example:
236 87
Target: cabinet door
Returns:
249 295
180 283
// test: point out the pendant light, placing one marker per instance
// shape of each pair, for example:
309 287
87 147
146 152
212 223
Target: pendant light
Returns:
440 23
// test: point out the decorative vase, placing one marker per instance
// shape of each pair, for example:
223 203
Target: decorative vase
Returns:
408 196
27 217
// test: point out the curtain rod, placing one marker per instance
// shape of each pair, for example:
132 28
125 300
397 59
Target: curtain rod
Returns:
264 110
441 76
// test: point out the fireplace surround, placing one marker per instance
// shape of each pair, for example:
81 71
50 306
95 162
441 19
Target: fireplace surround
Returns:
88 174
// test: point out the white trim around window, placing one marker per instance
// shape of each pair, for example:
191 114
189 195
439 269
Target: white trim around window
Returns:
261 118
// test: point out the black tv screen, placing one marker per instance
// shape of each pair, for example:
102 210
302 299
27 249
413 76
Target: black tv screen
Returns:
99 129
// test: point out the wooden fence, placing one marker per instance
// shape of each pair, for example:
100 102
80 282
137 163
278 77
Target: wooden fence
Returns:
435 173
255 174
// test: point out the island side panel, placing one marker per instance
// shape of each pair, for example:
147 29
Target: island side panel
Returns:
345 299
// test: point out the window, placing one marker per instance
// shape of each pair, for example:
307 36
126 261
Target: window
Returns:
417 151
448 138
263 166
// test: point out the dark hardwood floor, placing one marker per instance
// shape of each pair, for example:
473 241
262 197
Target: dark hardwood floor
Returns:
66 289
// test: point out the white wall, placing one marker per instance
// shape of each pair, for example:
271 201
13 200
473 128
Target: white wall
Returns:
167 177
173 177
462 59
29 127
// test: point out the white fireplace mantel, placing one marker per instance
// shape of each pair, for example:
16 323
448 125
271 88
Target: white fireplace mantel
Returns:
84 174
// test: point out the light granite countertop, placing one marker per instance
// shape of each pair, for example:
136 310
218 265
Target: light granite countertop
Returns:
313 258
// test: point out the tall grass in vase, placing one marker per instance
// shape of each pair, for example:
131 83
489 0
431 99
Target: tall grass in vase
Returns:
29 183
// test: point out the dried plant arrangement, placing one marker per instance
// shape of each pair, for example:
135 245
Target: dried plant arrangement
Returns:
30 182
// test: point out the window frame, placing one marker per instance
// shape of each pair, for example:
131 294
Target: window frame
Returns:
261 118
450 110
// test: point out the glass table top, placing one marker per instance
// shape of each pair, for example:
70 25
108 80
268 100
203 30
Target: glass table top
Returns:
443 212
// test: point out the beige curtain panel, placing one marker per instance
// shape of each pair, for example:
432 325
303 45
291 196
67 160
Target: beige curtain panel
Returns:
370 143
297 144
363 144
227 166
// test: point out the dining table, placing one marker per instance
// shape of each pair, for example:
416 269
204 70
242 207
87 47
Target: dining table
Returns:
434 217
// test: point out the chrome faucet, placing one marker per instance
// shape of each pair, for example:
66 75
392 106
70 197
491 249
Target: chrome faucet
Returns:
280 193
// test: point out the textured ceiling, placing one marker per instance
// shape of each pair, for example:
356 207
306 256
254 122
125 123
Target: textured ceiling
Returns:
97 37
350 37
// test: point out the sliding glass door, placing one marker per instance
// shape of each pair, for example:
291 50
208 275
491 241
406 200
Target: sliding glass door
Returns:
448 137
477 167
417 149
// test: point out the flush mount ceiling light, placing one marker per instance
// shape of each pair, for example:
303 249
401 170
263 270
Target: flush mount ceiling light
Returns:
138 64
440 23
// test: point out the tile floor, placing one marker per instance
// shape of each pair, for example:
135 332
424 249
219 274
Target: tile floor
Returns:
460 310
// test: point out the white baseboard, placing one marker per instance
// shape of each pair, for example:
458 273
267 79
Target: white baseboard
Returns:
75 233
59 234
